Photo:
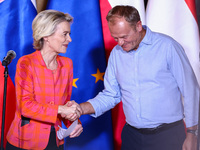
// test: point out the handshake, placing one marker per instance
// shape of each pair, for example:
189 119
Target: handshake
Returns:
71 110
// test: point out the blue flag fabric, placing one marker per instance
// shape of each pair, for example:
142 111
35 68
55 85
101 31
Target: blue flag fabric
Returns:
15 29
88 55
15 34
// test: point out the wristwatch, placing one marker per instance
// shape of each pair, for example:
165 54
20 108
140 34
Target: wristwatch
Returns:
192 131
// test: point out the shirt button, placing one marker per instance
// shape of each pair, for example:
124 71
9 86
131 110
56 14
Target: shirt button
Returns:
52 103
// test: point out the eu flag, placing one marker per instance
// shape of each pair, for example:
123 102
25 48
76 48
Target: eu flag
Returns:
15 34
88 55
15 26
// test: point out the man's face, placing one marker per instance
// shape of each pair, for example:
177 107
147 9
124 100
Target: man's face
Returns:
127 36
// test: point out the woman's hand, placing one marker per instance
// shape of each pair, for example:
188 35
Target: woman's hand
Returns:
77 131
71 110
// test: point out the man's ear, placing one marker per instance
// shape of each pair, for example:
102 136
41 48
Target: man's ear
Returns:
139 26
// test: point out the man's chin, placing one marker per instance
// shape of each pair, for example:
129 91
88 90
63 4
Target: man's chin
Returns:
126 49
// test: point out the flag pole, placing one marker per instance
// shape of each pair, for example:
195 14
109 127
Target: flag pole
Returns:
4 105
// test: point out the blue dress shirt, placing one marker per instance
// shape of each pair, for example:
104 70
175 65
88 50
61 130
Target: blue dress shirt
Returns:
151 82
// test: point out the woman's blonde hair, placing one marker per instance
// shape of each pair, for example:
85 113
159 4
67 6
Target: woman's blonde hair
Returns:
45 23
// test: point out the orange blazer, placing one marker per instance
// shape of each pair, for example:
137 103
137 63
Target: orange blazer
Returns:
38 95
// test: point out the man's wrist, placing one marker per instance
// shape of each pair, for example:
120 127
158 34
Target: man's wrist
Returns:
192 131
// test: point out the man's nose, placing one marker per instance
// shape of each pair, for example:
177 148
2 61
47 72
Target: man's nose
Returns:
120 42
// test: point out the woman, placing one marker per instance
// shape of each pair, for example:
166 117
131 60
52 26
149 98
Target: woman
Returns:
43 86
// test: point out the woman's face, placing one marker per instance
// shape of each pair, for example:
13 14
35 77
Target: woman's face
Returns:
58 42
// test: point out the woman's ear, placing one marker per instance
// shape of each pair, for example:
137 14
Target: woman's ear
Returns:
45 39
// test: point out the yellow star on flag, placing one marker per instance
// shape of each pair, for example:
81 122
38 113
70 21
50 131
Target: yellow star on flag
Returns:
98 75
74 82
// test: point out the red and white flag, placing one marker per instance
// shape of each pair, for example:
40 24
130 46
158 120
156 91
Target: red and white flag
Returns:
10 102
178 19
118 118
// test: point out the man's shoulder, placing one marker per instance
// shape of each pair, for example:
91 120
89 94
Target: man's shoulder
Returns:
162 36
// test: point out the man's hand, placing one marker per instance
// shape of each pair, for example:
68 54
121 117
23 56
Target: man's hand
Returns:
71 110
190 142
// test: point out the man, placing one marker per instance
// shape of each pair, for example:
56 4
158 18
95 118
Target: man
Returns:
151 74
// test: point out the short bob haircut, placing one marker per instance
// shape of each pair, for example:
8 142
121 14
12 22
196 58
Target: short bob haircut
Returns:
45 23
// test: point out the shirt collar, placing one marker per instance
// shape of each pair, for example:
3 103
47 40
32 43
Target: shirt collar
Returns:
147 38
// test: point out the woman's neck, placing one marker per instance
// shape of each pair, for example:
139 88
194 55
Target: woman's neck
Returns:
49 59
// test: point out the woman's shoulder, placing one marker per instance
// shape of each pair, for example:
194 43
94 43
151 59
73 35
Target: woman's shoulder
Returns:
65 60
26 59
29 56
